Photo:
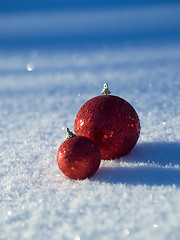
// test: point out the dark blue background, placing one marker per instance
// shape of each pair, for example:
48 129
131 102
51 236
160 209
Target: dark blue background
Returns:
40 5
168 34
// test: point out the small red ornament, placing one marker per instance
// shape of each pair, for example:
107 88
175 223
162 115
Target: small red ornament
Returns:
78 157
110 122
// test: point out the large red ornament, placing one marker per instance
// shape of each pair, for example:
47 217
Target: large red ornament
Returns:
78 157
110 122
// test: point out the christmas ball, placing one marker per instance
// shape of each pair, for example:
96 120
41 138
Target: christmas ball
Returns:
78 157
110 122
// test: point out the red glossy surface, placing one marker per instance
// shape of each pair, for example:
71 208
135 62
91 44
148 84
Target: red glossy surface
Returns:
111 122
78 157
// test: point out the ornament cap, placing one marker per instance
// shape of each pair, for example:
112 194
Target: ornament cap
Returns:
69 134
105 89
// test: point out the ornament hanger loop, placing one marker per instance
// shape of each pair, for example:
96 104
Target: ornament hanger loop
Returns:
105 89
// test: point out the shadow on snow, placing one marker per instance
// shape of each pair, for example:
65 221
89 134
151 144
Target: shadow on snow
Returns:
157 166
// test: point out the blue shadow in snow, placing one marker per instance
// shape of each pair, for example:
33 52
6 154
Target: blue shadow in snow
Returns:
161 154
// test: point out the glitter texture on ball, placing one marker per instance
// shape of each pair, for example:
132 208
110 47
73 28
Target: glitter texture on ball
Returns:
78 157
110 122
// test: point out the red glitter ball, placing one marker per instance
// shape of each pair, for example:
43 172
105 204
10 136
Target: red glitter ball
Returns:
78 157
110 122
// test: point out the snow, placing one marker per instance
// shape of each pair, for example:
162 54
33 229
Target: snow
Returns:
41 91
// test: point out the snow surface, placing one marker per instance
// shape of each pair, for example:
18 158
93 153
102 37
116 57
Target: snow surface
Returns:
42 89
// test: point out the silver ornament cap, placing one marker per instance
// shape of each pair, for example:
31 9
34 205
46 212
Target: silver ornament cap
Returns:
105 89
